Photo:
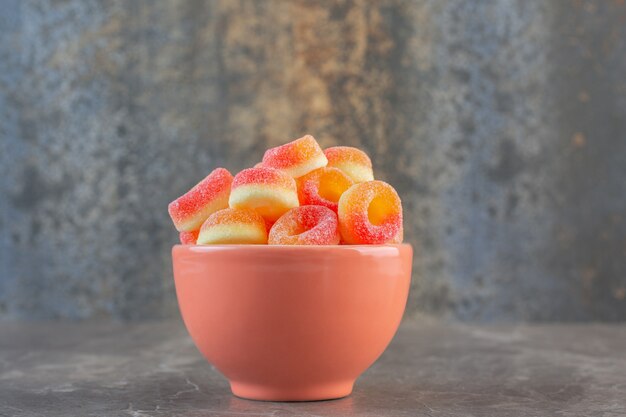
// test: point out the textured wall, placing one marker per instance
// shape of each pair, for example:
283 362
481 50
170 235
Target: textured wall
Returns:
501 123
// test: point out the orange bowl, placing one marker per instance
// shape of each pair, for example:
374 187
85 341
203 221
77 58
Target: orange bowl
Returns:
292 323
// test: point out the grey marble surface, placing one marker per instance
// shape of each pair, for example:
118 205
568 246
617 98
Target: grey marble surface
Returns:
430 369
500 123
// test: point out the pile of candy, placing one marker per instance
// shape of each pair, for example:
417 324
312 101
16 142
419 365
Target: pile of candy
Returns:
298 195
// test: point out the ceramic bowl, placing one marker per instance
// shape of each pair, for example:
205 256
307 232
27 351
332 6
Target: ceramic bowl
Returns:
292 323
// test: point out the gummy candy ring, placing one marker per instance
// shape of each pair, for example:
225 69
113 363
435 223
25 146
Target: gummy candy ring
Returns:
233 226
268 191
296 158
354 162
190 210
306 225
323 187
370 213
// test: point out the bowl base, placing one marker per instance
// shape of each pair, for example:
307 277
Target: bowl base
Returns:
318 392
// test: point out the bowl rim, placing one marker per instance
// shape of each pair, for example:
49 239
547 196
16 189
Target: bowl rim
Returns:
299 248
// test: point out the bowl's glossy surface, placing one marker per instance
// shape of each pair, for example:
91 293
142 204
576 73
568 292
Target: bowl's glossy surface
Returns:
292 323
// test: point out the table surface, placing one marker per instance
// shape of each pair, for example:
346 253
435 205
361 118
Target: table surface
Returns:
430 369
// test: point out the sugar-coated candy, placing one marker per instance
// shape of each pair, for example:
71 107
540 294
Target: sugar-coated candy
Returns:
189 211
323 187
354 162
296 158
306 225
268 191
189 238
399 237
233 226
370 213
298 194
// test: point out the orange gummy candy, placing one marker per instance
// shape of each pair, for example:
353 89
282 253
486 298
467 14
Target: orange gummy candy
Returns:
306 225
354 162
370 213
323 187
268 191
296 158
233 226
190 210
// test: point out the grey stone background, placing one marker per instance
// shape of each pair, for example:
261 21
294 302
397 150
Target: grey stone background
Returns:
502 124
